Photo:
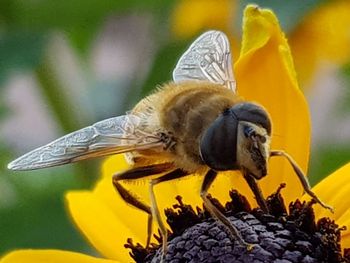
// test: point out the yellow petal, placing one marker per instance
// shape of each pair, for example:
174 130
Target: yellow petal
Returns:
166 193
322 36
344 220
102 227
114 164
334 190
189 188
191 16
50 256
265 74
232 180
129 216
105 191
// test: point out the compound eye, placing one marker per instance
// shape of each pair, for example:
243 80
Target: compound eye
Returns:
218 146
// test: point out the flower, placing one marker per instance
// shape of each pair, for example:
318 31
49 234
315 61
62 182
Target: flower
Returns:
192 17
265 74
327 21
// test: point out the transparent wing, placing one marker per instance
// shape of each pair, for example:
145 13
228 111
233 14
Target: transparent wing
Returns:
115 135
207 59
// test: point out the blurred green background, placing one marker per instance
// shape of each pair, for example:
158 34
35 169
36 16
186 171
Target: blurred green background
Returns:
67 64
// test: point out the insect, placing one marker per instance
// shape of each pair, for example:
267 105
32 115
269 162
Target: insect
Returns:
197 123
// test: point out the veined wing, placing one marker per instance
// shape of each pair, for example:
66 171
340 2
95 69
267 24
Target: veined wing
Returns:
115 135
207 59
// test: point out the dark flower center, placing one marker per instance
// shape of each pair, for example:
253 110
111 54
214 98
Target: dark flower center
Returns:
278 236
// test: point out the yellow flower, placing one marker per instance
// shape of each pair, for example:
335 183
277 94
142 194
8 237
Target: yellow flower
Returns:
322 37
265 74
192 17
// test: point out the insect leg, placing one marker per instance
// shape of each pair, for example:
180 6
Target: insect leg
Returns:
136 173
178 173
254 186
302 178
214 212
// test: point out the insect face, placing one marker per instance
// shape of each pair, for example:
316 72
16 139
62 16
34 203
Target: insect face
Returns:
238 139
253 148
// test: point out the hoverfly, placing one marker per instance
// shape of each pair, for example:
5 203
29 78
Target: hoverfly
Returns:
197 123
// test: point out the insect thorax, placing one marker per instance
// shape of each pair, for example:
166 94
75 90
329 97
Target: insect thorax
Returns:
186 111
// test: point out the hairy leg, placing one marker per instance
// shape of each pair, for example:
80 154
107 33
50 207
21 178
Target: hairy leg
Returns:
178 173
137 173
302 178
208 180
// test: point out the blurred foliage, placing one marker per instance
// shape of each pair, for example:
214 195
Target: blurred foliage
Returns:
327 159
289 12
32 209
163 65
34 216
79 19
20 50
344 105
21 227
32 212
53 92
3 108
